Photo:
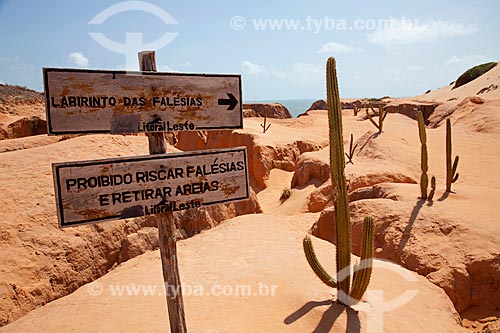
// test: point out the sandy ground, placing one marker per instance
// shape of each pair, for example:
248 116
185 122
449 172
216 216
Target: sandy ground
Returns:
264 253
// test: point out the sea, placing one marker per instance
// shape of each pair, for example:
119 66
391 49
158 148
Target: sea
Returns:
295 106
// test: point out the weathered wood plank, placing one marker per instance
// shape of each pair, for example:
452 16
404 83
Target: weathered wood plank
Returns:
166 230
99 190
99 101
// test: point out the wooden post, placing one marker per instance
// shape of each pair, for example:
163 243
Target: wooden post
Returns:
166 229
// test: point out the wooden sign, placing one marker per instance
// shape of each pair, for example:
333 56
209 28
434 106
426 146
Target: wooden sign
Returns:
98 101
92 191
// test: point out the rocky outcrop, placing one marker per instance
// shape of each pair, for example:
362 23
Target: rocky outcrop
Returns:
261 158
269 110
487 89
411 109
13 127
347 104
309 166
320 198
360 187
364 102
249 113
474 111
471 100
14 98
192 222
21 112
319 105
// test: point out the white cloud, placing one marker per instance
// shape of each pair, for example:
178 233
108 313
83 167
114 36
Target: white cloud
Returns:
299 73
78 59
414 68
166 68
467 61
254 69
1 82
336 48
404 31
175 68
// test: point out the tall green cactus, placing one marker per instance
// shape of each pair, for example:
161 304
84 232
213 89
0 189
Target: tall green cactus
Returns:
451 175
342 224
424 179
337 164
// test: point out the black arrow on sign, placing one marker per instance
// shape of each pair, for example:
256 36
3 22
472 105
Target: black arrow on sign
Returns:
231 101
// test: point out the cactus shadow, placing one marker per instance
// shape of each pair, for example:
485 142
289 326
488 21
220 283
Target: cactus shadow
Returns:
444 196
329 316
406 233
367 140
353 323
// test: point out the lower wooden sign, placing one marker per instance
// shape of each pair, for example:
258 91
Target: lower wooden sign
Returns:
110 189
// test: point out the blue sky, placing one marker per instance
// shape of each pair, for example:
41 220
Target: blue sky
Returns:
390 47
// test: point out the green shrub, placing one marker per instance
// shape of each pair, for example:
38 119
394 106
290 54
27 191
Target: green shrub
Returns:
473 73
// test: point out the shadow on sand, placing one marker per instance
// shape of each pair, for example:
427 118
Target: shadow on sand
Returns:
372 136
409 226
329 316
444 196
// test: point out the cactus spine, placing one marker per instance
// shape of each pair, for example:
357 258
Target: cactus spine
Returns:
424 179
342 224
451 175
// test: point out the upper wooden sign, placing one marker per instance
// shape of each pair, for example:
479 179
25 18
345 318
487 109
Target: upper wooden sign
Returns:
98 101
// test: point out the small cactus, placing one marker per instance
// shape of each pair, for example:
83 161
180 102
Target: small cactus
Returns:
352 149
264 127
433 189
381 117
424 179
451 170
342 224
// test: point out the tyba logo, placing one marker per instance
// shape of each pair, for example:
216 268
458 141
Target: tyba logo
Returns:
133 40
